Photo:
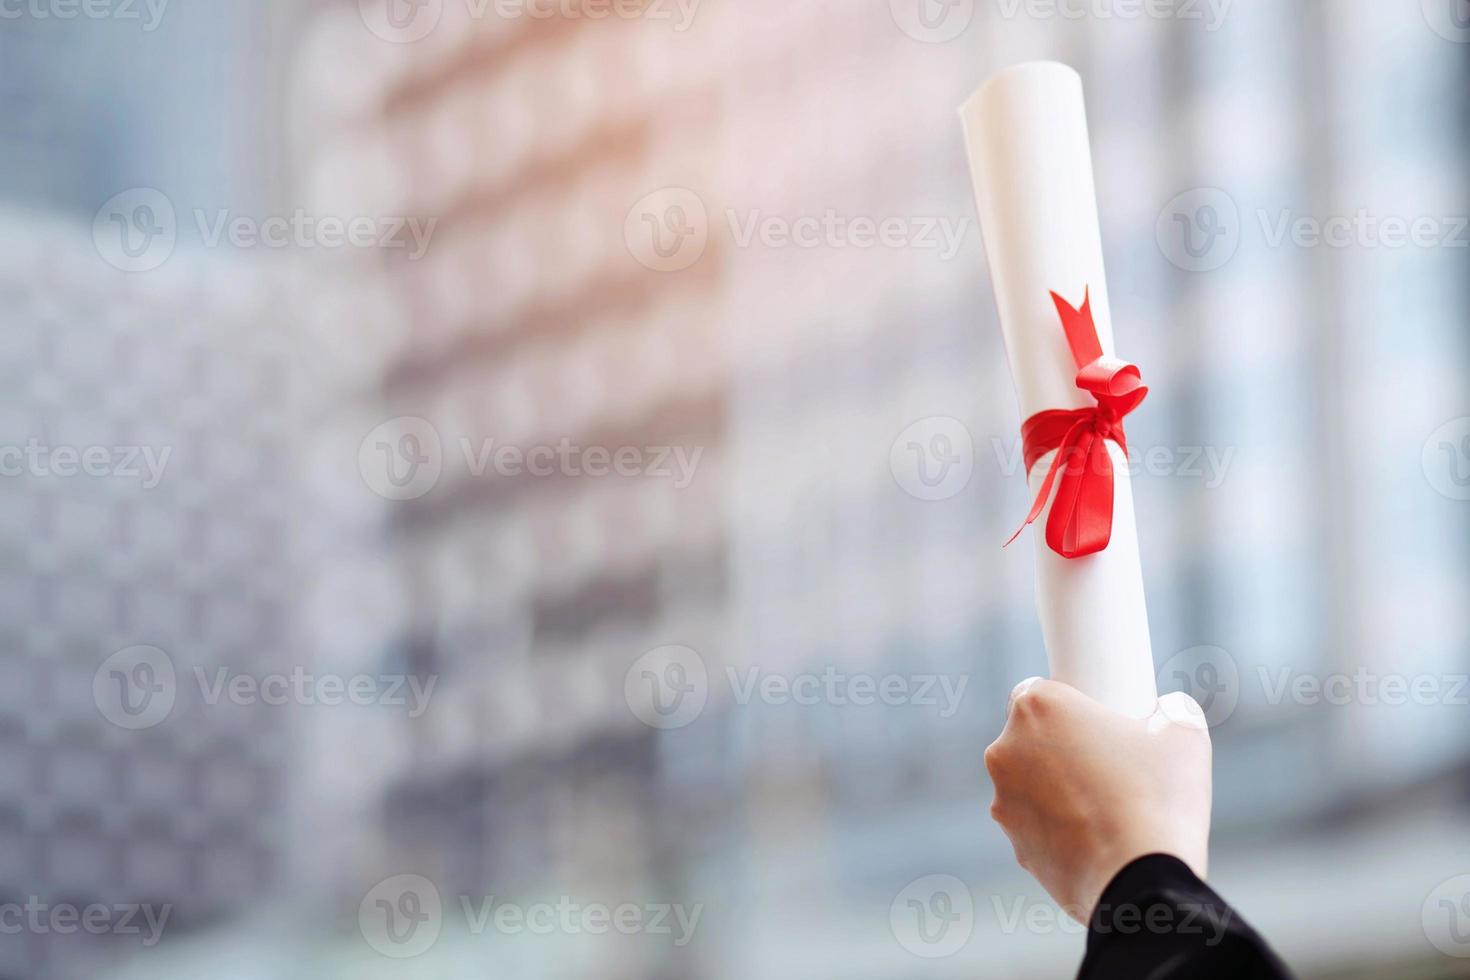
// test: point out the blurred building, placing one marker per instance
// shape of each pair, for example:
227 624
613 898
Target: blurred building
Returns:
334 499
173 549
526 324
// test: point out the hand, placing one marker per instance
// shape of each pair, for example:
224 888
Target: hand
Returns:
1082 790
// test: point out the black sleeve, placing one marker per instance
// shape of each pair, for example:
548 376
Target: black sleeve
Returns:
1157 921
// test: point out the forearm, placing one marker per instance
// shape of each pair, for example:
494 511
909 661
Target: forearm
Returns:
1156 919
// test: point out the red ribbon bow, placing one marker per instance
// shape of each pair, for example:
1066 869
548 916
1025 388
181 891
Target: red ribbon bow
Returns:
1081 521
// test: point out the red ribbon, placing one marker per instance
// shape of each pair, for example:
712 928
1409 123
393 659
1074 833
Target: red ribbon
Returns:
1081 520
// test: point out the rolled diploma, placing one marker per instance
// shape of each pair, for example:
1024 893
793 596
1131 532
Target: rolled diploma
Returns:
1026 135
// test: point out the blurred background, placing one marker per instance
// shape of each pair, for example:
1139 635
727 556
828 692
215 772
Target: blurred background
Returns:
514 488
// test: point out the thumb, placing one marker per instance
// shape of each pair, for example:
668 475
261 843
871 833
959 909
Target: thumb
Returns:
1178 708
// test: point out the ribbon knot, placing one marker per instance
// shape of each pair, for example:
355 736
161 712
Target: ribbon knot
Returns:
1081 521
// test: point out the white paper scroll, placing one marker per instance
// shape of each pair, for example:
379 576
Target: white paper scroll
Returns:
1026 134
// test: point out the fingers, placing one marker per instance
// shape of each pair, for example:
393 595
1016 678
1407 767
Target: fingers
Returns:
1037 696
1038 712
1030 704
1021 689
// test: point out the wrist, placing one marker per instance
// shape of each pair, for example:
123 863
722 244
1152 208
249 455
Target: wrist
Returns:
1122 850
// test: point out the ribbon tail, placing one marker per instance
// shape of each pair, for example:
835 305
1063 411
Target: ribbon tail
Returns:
1082 518
1060 525
1059 461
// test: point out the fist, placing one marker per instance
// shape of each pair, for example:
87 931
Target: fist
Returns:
1081 790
